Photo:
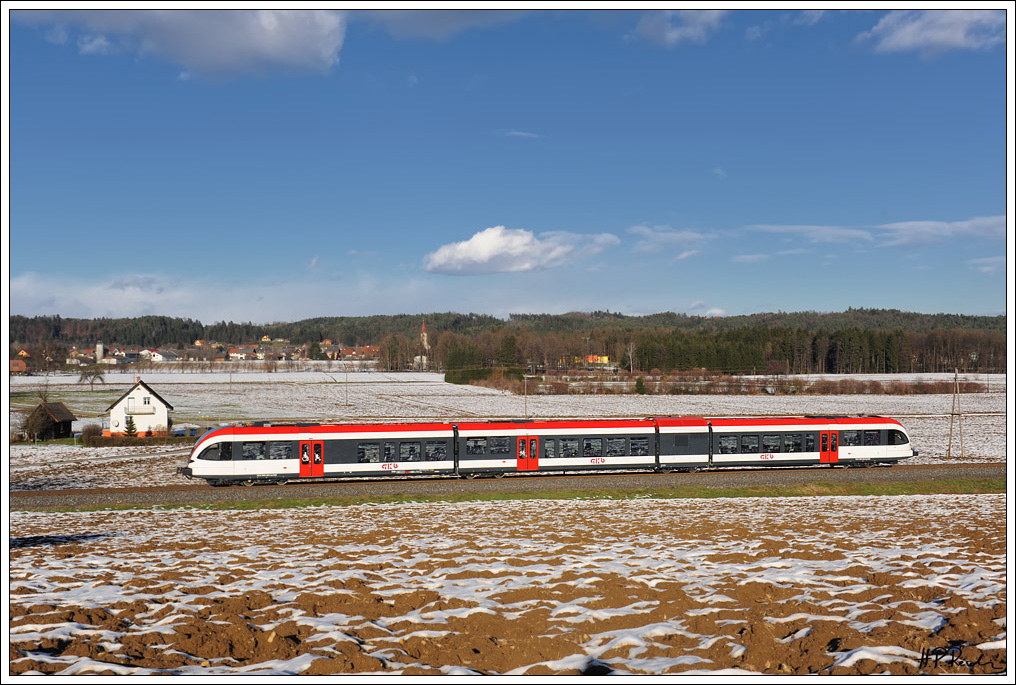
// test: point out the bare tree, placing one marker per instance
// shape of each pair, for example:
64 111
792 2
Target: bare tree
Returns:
629 352
92 373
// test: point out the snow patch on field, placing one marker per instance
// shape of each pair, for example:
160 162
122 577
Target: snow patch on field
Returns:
628 582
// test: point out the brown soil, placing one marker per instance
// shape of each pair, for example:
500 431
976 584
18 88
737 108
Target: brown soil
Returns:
506 588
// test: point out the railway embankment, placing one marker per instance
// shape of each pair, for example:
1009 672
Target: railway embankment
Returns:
769 481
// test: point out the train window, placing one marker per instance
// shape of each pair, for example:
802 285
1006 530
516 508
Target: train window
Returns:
476 445
749 444
549 449
770 443
436 450
639 447
792 442
898 438
368 452
280 450
616 447
832 442
809 442
728 444
499 445
850 438
872 438
569 447
210 453
592 447
389 451
410 451
253 450
825 442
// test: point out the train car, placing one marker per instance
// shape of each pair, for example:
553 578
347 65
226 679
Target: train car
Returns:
265 453
808 441
511 447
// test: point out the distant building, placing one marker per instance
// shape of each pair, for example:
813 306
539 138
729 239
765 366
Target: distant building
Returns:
149 412
18 366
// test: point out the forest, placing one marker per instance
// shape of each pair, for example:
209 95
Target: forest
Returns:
855 341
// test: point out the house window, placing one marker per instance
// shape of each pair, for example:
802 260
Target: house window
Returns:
147 401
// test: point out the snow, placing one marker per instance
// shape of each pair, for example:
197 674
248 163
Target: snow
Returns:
140 548
321 396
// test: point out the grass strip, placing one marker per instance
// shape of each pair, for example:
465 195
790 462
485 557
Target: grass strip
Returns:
964 486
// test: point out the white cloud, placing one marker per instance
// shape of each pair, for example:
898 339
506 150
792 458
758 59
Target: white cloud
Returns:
502 250
659 238
914 233
749 258
522 134
808 17
817 234
133 295
899 234
94 45
215 41
688 253
718 171
987 265
932 31
670 27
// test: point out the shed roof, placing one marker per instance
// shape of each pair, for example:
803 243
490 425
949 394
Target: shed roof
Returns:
57 411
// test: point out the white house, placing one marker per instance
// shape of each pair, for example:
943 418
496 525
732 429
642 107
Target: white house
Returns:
149 412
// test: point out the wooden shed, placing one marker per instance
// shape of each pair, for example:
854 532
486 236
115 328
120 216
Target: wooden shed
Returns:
50 421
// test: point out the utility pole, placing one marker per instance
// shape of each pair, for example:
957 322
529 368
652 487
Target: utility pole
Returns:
957 416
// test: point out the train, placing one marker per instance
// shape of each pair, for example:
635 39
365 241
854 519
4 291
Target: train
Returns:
265 453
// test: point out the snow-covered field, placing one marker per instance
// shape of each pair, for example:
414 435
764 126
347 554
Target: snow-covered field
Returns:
209 399
796 585
834 585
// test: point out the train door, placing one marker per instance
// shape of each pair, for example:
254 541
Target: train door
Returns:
529 454
312 459
830 453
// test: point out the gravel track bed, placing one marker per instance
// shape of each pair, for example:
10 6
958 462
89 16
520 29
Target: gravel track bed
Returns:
622 483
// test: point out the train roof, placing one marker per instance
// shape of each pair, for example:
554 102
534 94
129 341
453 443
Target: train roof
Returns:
801 420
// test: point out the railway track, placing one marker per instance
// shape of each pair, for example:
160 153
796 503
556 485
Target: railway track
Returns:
200 494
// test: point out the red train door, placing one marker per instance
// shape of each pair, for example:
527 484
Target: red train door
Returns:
312 460
830 447
529 454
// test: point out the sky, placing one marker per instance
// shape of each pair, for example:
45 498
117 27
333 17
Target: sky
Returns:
264 165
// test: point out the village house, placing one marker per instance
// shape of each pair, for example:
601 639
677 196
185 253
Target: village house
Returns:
154 355
143 405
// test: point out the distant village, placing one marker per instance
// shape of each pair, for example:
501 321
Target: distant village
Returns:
267 349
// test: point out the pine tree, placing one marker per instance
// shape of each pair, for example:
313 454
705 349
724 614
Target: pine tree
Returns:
130 430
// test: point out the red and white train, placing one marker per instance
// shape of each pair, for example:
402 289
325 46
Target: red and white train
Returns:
265 453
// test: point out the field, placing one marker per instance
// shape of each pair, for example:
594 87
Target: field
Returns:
838 585
208 399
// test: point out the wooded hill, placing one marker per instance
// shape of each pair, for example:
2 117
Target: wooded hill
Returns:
163 331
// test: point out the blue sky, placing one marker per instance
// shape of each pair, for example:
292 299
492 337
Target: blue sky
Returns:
273 166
